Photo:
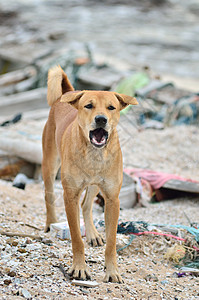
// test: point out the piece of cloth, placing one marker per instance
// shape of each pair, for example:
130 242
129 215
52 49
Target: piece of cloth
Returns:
156 179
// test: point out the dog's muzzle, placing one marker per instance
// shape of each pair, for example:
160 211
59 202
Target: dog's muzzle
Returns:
98 137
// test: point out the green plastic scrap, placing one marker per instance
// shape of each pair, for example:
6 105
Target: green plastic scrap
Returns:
193 264
129 85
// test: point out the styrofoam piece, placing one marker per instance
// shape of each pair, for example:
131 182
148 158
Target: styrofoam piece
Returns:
62 230
86 283
127 194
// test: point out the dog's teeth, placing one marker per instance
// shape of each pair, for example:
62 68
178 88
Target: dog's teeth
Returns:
98 143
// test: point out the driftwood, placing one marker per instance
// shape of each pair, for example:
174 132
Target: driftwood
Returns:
23 140
24 224
184 186
37 114
97 79
22 102
16 76
26 149
20 57
19 234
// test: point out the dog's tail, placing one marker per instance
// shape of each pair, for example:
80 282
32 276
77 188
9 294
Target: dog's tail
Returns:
58 84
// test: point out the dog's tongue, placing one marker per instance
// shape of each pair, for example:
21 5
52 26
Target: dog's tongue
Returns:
99 135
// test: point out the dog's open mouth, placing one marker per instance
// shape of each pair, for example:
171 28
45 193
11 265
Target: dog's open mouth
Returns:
98 137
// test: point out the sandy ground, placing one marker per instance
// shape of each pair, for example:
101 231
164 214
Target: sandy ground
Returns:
30 268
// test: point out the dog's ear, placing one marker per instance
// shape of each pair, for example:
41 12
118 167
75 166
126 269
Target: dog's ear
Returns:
72 98
125 100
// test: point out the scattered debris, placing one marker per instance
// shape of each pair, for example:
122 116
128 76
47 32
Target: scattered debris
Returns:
20 181
25 293
36 237
16 119
85 283
149 137
62 231
62 269
38 265
190 270
175 253
161 185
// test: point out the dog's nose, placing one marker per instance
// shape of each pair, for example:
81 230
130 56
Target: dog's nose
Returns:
100 120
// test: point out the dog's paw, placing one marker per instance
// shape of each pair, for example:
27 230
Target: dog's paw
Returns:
97 241
113 276
79 273
48 222
47 228
94 239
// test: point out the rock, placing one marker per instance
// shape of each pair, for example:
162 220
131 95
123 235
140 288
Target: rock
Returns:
17 281
20 181
7 281
21 258
12 263
28 241
12 274
22 250
47 242
56 35
15 243
34 246
194 8
152 278
164 282
25 293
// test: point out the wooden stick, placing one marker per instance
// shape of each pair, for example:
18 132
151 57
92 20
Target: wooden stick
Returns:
19 234
62 269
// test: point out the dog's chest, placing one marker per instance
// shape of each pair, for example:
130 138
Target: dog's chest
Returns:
93 164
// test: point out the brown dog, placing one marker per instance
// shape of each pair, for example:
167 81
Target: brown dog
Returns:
80 135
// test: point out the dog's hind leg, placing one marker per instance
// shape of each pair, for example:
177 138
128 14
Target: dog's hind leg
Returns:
50 166
92 235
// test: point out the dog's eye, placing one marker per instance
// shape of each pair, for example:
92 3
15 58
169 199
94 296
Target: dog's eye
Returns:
111 107
89 106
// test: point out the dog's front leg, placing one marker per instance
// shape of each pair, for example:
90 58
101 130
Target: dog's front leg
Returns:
79 269
112 207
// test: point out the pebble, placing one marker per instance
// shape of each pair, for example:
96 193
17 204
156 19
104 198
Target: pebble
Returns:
150 277
7 281
164 282
22 250
12 274
25 293
15 243
34 246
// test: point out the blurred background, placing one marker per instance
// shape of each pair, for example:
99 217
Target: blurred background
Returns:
160 34
145 48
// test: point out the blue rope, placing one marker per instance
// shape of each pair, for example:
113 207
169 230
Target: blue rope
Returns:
132 237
